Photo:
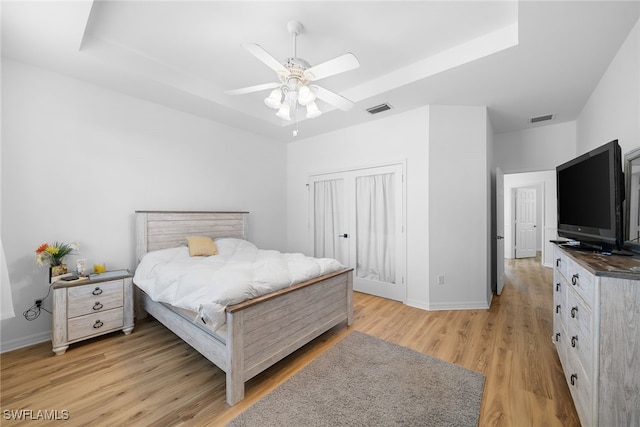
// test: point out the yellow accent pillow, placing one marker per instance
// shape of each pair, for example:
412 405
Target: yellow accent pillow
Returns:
201 246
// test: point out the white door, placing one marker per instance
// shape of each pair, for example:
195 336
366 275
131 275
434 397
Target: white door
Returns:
499 231
330 218
525 222
366 226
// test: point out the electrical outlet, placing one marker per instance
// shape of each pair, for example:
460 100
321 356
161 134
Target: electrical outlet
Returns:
38 303
441 279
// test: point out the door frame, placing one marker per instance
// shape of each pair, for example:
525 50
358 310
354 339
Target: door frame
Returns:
402 248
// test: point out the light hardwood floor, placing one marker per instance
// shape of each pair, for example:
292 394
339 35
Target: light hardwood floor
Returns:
152 378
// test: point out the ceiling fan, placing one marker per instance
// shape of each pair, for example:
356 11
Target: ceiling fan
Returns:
295 77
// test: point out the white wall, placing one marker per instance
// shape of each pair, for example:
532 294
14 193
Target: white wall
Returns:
535 149
459 223
613 109
395 138
78 160
445 148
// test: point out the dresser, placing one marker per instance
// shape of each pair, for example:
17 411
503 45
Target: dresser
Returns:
596 330
86 309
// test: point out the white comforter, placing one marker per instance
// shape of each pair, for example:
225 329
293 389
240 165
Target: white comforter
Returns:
207 285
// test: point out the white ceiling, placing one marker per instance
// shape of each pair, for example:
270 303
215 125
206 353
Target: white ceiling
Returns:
521 59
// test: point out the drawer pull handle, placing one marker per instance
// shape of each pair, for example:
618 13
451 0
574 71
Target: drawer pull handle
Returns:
574 341
97 291
98 324
574 279
573 379
557 308
558 262
557 336
97 306
574 310
557 287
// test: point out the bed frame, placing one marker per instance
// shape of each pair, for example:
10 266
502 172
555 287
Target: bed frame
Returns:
259 332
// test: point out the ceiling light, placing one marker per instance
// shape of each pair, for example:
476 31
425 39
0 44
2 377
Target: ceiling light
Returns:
296 80
284 111
313 111
305 95
274 100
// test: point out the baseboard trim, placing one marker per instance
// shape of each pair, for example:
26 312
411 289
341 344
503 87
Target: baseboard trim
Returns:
466 305
27 341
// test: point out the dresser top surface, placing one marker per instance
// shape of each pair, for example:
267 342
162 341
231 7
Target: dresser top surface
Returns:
618 266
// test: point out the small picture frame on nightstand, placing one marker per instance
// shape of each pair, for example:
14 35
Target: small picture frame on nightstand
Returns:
81 267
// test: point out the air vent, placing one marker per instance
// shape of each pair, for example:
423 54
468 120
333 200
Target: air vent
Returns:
379 108
541 118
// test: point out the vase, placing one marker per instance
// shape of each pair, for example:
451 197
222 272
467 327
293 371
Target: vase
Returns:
56 270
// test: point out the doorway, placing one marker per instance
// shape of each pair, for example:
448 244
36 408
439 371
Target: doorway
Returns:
357 217
526 236
546 222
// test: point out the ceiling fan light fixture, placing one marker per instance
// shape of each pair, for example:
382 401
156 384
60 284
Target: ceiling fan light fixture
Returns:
306 95
295 77
284 111
312 110
274 100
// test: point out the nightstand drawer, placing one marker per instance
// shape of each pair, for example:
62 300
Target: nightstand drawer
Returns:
95 324
88 299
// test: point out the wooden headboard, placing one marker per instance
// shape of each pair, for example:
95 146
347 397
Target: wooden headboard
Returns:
167 229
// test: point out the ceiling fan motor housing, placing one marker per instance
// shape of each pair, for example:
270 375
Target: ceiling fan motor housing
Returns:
296 67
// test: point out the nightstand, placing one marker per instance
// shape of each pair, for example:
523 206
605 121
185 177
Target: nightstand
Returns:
88 308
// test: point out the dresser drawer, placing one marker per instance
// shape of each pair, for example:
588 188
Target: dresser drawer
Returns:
561 262
578 314
559 339
95 324
580 346
581 281
581 390
94 298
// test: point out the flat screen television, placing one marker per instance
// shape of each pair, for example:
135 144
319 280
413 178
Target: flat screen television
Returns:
590 191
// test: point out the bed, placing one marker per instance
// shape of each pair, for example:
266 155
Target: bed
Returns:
258 332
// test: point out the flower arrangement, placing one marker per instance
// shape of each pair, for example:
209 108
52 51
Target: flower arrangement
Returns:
54 254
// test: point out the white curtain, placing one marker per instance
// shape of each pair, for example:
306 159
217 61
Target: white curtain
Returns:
375 226
6 308
328 219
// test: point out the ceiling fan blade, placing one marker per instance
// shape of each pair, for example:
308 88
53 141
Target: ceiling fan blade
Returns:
333 98
334 66
250 89
264 56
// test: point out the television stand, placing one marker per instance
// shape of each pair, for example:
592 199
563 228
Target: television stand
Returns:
595 325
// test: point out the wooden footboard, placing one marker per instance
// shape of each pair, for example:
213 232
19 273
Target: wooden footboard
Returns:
264 330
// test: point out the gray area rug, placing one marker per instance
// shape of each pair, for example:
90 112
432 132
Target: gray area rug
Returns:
364 381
